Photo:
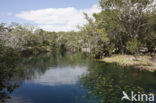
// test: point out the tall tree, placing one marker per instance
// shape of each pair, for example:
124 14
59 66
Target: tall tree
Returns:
126 20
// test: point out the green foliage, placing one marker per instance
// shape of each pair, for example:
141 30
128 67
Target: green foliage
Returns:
121 27
127 20
133 46
8 61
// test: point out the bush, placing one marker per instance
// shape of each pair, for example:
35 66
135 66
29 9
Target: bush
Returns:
133 46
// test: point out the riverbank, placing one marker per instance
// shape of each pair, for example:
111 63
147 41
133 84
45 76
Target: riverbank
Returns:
140 62
35 50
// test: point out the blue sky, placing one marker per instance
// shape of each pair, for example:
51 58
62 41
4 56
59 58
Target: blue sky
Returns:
33 11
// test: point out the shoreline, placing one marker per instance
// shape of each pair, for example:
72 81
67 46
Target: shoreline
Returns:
140 62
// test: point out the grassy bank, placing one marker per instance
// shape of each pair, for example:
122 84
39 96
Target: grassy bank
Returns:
141 62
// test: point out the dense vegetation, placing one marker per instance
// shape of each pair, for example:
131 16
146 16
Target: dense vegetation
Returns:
122 26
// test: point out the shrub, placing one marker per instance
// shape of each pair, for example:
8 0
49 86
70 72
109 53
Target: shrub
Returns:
133 46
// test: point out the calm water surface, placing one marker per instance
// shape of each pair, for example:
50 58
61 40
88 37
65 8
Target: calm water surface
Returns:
74 78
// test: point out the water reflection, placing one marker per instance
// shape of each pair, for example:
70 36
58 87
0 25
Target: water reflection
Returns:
70 78
61 76
9 76
107 81
19 99
50 78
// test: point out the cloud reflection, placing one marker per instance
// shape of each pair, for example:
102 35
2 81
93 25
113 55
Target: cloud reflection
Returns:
61 76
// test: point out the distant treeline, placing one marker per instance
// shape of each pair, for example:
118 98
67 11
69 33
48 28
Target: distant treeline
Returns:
122 26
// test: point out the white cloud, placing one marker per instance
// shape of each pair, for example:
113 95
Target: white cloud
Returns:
58 19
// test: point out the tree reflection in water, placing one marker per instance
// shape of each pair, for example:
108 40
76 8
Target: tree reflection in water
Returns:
8 73
14 71
104 82
107 81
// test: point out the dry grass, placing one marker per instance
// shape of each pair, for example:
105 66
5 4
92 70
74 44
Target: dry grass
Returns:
142 62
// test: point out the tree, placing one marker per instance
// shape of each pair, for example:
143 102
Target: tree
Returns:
96 38
125 20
